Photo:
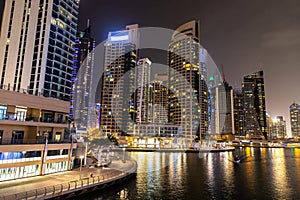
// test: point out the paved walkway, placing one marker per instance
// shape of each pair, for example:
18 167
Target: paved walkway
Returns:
26 184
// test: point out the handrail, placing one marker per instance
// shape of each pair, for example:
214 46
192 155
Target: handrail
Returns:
33 141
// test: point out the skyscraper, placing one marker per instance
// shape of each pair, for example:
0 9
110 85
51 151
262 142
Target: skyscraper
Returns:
278 128
185 63
37 54
225 111
143 90
160 99
117 102
238 106
82 104
255 105
221 107
295 119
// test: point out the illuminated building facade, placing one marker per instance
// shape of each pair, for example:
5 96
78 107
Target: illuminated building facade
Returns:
269 126
37 37
295 119
117 103
238 109
155 135
159 99
82 104
254 105
184 61
278 128
143 91
32 136
203 94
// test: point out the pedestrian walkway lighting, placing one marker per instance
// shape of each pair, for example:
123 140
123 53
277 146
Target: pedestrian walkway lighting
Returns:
123 154
81 157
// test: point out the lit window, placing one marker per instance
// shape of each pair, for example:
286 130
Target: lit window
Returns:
53 21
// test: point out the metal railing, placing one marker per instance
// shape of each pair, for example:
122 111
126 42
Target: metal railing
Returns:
31 92
33 141
9 87
14 117
71 186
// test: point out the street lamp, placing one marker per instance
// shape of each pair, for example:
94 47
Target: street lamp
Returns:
81 157
123 154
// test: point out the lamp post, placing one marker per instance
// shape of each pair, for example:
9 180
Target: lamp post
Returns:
81 157
123 155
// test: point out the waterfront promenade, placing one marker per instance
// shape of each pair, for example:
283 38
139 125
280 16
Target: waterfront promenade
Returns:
68 183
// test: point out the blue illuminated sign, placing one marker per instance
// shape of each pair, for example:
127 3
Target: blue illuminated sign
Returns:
10 155
119 36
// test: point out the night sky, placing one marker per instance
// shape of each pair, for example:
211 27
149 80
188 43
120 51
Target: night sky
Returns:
238 34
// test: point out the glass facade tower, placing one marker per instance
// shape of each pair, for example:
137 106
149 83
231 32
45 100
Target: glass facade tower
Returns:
184 59
295 119
82 104
117 102
37 37
255 105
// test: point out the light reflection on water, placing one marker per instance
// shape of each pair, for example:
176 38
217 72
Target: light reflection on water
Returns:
263 174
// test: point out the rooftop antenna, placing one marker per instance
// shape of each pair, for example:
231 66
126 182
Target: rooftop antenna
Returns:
88 22
260 66
223 74
88 28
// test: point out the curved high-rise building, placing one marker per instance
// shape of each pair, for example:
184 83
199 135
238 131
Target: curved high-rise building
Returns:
187 83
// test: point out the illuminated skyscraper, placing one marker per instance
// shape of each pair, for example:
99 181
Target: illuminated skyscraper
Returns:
117 102
37 52
278 128
255 105
159 97
82 104
238 106
143 90
188 61
295 119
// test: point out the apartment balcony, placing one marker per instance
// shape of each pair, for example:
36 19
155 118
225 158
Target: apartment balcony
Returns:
51 120
41 140
14 119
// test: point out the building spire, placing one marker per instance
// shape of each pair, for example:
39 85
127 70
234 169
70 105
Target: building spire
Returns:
223 73
260 67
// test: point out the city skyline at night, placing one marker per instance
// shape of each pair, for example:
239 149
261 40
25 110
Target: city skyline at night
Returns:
146 100
241 36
